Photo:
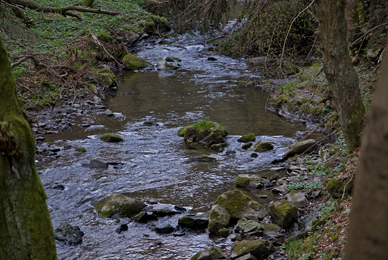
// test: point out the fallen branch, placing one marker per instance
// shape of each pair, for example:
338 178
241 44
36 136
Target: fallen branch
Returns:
103 47
65 11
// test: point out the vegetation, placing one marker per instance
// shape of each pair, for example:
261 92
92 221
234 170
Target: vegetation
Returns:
58 56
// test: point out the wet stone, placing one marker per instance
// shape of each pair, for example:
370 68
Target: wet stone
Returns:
122 228
71 235
164 229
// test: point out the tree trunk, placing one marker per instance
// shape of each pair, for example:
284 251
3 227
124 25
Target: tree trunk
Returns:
338 68
368 230
26 231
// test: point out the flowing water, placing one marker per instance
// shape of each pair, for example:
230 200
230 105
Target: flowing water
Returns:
152 163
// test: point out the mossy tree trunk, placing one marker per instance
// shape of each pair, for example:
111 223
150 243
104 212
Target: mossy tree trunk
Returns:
338 68
368 230
26 231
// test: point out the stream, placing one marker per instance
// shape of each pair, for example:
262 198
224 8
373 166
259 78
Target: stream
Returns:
153 163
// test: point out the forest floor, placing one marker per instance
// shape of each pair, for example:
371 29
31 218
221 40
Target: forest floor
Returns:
55 60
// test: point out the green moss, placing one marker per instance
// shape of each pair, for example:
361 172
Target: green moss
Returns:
181 131
235 202
177 59
247 138
336 187
261 146
247 145
81 149
106 76
271 227
133 62
169 59
170 66
111 138
118 204
244 181
218 218
284 213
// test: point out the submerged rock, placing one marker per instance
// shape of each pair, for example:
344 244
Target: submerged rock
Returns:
164 229
209 254
112 138
284 213
71 235
119 205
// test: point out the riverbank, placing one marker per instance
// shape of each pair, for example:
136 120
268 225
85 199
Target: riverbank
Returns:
296 98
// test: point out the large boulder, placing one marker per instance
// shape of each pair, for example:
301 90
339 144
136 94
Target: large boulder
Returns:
194 221
305 146
259 248
283 212
219 218
240 205
119 205
209 254
132 62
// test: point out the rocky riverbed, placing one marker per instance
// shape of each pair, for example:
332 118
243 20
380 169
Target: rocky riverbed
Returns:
179 188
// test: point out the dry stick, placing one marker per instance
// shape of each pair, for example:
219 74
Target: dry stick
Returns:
102 46
364 35
288 32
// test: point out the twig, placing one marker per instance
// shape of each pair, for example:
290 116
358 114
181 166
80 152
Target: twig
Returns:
102 46
288 32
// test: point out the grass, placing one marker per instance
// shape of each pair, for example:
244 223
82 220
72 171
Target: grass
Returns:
66 42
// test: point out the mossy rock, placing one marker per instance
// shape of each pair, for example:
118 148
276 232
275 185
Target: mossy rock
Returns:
169 59
218 147
284 213
262 146
112 138
119 205
245 226
177 59
240 205
218 218
81 149
204 133
335 187
248 181
149 26
170 66
268 227
247 145
209 254
132 62
194 221
259 248
181 131
247 138
106 77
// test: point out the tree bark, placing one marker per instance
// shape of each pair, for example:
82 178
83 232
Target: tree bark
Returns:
368 230
26 231
338 68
